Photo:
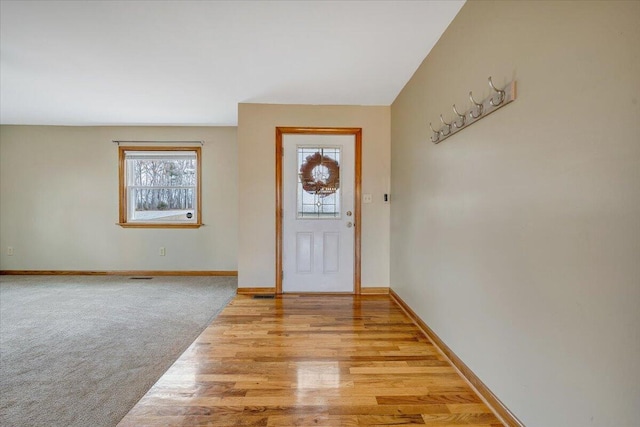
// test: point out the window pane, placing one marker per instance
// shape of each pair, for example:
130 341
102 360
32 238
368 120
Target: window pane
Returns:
318 194
163 172
163 204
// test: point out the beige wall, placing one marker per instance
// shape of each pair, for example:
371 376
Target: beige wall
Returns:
59 202
518 239
256 184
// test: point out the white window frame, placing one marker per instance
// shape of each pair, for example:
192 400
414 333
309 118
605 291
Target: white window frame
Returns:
126 188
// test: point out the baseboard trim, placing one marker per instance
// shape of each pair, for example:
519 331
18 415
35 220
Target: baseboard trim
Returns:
381 290
261 291
501 411
117 273
256 291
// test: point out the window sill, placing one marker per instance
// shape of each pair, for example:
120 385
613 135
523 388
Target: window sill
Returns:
151 225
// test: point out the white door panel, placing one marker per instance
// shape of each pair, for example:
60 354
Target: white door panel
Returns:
331 252
304 252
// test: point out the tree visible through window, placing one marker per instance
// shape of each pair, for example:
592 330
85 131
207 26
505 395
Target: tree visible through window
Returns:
159 187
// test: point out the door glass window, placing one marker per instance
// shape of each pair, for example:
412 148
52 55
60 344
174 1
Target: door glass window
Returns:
318 193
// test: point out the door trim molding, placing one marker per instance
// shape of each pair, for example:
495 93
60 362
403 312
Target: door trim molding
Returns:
357 133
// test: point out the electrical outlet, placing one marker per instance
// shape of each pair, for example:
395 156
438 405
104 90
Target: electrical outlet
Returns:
10 250
162 251
367 198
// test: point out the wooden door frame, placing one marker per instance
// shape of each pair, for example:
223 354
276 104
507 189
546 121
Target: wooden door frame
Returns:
357 133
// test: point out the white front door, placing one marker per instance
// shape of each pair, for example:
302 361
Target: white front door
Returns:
318 205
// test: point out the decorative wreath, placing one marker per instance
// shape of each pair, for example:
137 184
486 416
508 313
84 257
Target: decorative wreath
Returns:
314 185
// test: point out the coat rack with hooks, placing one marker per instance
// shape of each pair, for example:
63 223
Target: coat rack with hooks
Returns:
479 110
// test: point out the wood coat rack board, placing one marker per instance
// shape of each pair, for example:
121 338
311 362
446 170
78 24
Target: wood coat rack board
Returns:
479 110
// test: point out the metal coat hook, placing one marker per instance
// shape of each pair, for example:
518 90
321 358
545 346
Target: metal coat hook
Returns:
501 94
447 125
497 99
479 107
462 117
436 134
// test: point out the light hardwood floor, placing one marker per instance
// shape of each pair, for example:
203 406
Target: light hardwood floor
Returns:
311 361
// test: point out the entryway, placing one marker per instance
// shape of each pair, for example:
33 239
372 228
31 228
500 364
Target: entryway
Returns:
318 210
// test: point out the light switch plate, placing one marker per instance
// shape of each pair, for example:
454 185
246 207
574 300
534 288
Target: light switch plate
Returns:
367 198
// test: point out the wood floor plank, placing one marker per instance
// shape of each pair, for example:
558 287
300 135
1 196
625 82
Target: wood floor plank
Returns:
311 361
459 419
429 398
313 420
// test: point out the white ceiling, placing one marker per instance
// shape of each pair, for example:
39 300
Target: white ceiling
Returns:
192 62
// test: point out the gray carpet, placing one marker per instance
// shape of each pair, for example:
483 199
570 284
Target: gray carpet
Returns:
82 350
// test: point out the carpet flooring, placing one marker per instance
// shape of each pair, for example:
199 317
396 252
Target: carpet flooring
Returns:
80 351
